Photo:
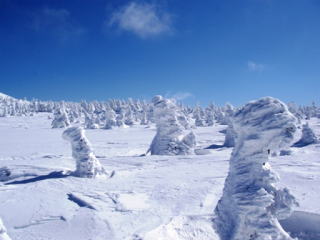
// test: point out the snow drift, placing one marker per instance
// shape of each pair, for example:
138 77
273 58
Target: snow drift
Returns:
3 232
308 137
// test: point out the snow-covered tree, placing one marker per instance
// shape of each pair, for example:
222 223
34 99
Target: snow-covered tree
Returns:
87 165
110 119
171 138
3 232
251 204
60 119
307 137
230 137
90 121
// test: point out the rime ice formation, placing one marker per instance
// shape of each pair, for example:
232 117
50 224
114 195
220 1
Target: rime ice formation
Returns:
251 204
60 119
3 232
308 137
170 138
87 166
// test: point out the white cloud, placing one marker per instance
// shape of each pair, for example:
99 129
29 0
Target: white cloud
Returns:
57 22
143 19
255 67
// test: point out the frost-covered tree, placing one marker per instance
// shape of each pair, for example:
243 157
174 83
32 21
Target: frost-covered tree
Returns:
60 119
251 204
230 137
171 138
3 232
110 119
87 165
90 121
307 137
129 118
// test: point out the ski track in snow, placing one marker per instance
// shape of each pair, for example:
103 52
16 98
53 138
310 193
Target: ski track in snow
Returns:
148 197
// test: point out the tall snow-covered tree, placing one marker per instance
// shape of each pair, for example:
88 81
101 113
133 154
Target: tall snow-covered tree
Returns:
251 204
87 165
171 138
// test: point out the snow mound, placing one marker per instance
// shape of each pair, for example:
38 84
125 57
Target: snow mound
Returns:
184 228
251 204
303 225
3 232
308 137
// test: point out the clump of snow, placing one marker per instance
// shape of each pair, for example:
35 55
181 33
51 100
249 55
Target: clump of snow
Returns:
3 232
61 119
251 204
308 137
171 138
5 174
88 166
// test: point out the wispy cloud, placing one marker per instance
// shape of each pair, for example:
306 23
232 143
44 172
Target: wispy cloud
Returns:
255 67
182 95
143 19
57 22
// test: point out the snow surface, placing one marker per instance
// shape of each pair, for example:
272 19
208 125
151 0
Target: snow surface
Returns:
148 197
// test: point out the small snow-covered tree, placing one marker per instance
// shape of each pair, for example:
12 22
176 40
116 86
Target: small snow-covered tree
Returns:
170 139
3 232
251 204
307 137
60 119
87 165
110 119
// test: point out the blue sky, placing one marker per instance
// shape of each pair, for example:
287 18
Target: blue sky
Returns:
197 51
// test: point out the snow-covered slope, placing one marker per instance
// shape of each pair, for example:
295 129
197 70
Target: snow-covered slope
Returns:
5 96
148 197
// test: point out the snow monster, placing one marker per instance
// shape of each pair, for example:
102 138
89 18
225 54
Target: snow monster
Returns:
171 138
251 204
88 166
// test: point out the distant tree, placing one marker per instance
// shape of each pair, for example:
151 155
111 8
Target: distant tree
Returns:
170 139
